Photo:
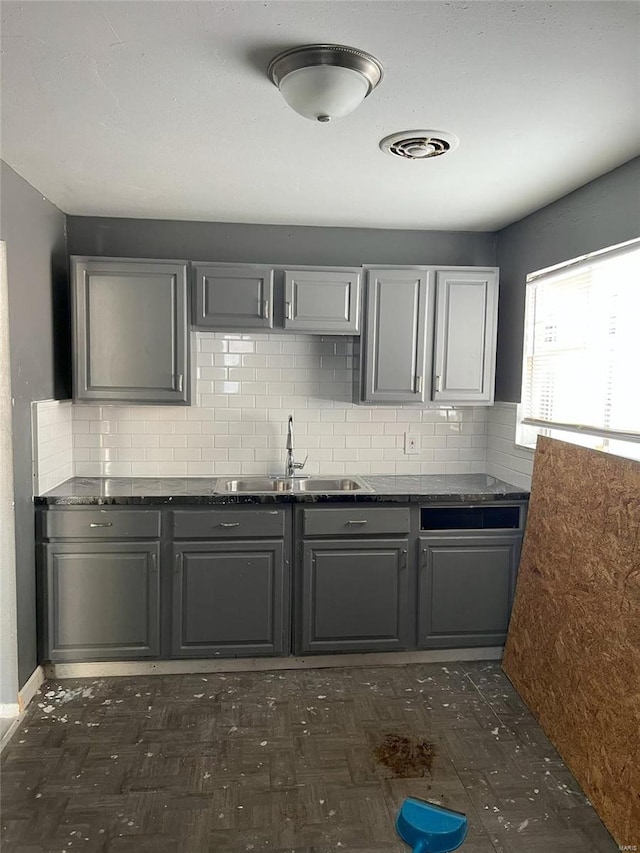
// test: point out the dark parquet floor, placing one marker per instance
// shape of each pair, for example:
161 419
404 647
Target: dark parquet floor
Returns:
303 761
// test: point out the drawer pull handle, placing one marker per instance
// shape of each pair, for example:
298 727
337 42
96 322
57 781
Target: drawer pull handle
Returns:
101 524
358 521
229 524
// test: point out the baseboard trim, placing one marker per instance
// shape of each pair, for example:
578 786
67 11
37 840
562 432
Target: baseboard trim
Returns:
31 687
186 667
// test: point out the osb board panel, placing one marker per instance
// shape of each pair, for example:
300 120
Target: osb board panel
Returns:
573 648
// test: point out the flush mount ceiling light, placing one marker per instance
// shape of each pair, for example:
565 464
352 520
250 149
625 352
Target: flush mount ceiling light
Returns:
324 81
419 144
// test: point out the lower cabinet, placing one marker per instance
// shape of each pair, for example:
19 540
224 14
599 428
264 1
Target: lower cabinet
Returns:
355 596
230 598
125 583
102 600
465 589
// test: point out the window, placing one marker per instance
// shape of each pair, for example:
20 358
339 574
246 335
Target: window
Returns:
581 365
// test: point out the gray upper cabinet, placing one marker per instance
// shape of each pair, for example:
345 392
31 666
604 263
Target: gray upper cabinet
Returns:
396 358
233 297
465 336
130 330
323 300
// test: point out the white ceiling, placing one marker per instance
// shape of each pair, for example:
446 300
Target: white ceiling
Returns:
163 109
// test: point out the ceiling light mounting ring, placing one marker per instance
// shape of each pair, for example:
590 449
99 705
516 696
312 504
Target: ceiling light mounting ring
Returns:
325 81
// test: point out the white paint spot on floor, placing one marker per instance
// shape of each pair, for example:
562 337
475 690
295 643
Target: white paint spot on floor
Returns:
523 825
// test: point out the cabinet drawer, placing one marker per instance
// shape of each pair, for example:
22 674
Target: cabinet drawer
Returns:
354 521
228 523
101 523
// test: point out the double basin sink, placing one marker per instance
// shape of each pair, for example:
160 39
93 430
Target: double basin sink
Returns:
270 485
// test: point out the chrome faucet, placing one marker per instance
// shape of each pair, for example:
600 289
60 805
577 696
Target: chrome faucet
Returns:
291 466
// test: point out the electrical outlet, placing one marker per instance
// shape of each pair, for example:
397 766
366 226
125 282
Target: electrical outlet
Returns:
411 443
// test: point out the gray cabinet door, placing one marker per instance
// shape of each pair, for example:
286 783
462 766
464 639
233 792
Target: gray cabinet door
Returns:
230 598
102 600
130 330
465 336
354 596
397 357
465 589
233 297
322 300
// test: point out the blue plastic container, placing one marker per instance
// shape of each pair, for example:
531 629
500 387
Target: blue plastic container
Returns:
430 829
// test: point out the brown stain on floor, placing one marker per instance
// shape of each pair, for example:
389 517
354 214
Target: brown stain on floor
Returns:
406 758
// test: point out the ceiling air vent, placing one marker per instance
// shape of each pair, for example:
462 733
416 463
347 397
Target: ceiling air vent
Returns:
419 144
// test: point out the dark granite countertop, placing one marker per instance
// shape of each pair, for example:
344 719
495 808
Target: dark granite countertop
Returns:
198 491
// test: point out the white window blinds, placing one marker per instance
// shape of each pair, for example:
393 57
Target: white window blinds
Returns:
581 369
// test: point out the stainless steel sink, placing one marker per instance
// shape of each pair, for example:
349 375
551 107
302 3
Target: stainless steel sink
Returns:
262 485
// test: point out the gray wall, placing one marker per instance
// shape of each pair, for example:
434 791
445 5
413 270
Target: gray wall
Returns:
274 244
600 214
34 231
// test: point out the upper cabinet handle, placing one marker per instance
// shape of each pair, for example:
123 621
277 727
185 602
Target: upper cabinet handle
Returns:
229 524
265 309
288 310
179 381
418 384
438 383
101 524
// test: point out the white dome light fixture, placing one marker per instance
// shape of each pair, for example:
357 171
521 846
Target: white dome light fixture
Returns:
324 81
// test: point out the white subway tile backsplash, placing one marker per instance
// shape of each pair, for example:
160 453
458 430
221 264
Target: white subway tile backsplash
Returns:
246 388
503 458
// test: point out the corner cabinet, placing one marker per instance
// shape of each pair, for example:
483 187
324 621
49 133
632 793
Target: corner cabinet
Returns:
101 574
468 562
429 337
465 336
130 331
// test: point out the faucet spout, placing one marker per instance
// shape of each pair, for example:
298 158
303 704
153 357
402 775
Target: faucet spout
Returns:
290 465
290 433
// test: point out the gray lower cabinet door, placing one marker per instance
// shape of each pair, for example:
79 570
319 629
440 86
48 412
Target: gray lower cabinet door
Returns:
465 339
233 297
354 596
326 301
465 589
230 598
397 350
101 601
130 330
